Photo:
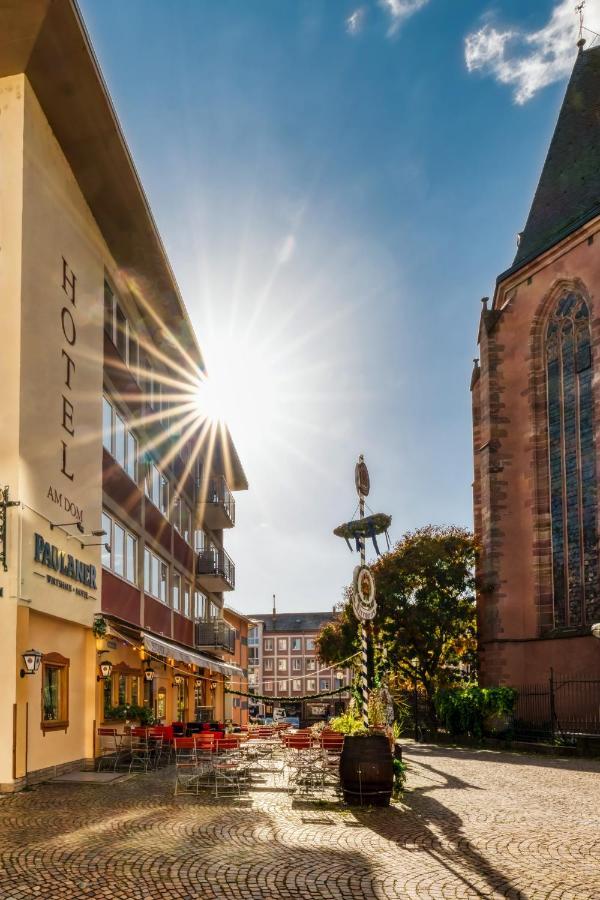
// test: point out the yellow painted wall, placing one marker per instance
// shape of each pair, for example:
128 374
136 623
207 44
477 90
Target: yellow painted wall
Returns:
11 175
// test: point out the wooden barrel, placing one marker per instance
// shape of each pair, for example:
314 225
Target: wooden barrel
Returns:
367 770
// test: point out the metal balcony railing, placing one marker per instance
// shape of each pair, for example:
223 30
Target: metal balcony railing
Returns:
219 495
218 634
217 564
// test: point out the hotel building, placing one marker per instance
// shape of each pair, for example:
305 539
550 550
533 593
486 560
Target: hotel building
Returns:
122 491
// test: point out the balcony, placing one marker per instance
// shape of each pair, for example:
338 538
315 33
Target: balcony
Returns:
215 571
216 635
217 508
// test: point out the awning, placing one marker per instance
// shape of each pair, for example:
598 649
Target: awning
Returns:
176 651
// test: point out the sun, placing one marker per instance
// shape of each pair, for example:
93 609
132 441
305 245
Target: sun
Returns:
244 389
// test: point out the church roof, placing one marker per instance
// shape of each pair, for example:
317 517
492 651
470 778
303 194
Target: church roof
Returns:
568 193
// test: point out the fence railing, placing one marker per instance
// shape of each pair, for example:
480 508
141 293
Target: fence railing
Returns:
562 706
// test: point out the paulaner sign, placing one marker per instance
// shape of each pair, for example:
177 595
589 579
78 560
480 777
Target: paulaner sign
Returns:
50 556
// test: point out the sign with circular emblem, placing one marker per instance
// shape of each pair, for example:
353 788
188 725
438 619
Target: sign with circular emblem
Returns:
363 596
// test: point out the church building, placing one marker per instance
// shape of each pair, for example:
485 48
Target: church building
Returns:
536 418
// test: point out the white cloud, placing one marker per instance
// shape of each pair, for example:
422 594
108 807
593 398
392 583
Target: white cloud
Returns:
529 61
399 10
355 21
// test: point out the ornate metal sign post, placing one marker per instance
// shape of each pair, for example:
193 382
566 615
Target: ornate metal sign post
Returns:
363 595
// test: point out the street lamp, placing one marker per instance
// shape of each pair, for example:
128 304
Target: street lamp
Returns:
106 668
149 673
31 661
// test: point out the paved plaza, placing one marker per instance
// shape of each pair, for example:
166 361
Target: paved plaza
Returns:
472 824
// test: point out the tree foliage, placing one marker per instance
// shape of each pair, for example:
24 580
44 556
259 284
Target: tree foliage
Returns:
425 589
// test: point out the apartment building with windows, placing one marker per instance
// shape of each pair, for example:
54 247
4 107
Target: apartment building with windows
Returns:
236 706
285 663
123 489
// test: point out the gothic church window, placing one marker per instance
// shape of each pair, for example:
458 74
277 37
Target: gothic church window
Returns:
573 489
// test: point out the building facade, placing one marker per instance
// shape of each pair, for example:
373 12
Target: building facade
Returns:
536 418
122 487
236 706
284 663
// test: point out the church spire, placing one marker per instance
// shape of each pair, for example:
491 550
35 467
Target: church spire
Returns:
568 193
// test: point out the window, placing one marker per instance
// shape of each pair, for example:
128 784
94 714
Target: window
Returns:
201 541
282 687
186 522
268 686
268 645
157 487
311 684
282 665
200 603
187 593
120 442
55 692
122 556
181 704
253 637
324 684
282 645
310 644
296 665
572 462
176 592
296 644
215 611
119 329
156 576
311 665
296 684
268 665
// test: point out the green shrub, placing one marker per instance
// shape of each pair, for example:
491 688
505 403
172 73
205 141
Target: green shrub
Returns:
141 713
399 778
463 710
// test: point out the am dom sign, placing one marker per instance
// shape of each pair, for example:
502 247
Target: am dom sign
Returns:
50 556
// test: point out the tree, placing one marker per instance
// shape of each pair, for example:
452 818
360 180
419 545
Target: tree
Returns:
425 590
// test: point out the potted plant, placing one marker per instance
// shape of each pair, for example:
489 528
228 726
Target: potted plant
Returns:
366 763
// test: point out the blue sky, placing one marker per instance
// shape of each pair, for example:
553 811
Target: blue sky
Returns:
337 184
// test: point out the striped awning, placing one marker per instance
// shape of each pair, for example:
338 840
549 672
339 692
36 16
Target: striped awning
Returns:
165 648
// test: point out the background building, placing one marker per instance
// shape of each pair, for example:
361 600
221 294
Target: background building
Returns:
123 491
536 418
284 663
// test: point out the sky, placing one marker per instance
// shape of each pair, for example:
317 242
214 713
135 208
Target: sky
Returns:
337 184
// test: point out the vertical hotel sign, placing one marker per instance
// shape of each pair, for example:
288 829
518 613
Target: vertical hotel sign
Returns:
67 415
69 330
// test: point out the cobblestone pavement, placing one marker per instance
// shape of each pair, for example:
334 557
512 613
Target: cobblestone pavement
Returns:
472 824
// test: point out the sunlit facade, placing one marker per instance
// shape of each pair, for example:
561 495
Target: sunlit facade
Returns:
123 487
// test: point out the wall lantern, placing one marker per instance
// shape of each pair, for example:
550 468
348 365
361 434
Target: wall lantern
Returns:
596 630
106 668
213 685
177 680
31 661
149 674
339 675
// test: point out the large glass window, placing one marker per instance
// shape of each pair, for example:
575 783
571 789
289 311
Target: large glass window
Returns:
156 576
176 591
121 557
200 603
119 329
572 460
187 593
55 691
118 439
157 487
